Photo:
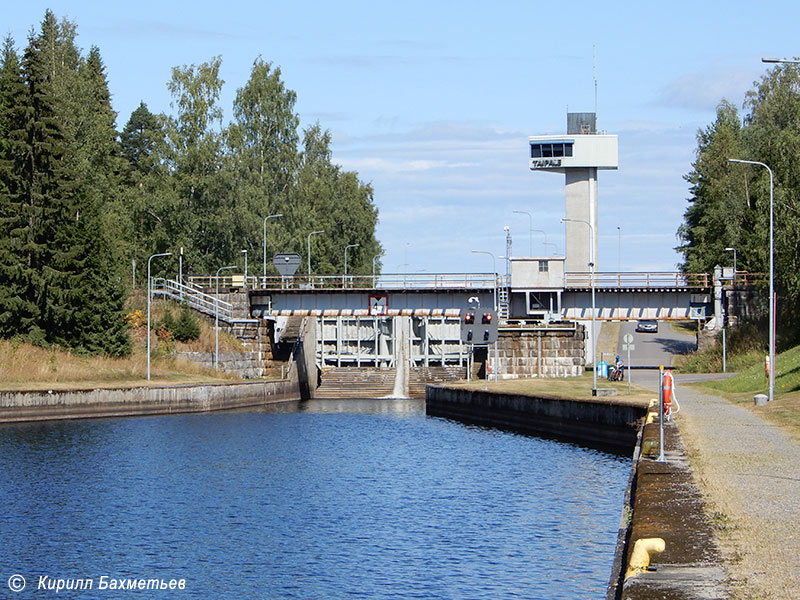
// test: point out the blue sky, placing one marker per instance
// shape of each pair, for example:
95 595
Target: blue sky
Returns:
433 102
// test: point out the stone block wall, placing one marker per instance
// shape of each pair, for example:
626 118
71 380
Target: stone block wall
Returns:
540 352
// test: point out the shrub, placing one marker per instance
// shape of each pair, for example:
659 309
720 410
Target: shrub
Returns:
187 327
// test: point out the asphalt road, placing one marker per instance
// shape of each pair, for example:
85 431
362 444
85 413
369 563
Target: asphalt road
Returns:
654 349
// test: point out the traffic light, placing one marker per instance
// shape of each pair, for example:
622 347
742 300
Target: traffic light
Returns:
482 333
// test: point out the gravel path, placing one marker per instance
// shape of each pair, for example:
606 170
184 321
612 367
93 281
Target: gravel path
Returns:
749 471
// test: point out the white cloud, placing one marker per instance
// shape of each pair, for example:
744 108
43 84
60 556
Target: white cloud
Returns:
704 90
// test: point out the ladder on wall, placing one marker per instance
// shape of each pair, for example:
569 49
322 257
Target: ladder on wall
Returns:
503 305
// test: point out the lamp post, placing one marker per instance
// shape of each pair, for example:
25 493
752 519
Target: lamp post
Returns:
216 318
619 249
494 267
309 251
265 244
734 262
544 233
344 277
530 226
555 248
591 267
771 266
148 307
245 268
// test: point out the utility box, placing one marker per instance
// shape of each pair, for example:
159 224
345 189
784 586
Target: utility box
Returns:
479 326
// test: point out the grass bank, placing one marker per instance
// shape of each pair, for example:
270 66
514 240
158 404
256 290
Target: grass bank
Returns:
785 409
27 367
573 388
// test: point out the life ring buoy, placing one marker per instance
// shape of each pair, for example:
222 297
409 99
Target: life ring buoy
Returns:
668 387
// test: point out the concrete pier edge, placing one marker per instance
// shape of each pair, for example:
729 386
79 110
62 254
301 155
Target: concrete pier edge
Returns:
25 406
661 498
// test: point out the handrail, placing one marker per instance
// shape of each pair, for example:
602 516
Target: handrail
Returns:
652 279
359 282
205 303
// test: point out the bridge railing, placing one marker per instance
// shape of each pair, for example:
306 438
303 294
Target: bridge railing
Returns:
653 279
357 282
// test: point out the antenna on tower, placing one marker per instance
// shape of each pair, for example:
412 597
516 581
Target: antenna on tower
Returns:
594 71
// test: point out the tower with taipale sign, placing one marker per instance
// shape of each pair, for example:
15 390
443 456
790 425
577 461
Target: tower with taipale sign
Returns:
579 154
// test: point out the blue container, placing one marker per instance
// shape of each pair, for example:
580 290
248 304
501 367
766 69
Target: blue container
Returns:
602 369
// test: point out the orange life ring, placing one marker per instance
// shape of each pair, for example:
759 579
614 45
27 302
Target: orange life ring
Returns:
668 387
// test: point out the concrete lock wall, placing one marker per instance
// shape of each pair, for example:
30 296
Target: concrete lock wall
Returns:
540 352
73 404
605 423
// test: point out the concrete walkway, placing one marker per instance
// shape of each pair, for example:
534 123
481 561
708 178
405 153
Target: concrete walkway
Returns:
749 473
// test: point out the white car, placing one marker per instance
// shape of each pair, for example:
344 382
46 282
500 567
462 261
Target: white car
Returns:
647 326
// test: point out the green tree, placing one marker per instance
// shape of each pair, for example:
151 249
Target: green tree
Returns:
18 307
264 156
203 222
719 211
730 202
327 198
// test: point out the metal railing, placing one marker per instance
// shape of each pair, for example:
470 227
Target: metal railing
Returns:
357 282
192 296
654 279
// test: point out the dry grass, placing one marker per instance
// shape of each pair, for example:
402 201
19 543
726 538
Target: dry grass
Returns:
26 367
572 388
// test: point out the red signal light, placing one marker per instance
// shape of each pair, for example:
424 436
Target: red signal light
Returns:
487 318
469 318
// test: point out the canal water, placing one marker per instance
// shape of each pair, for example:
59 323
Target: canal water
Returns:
314 501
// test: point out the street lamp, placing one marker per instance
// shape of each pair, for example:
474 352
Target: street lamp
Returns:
530 226
245 268
788 61
309 251
494 267
148 307
771 268
734 262
555 248
344 277
265 244
216 318
591 266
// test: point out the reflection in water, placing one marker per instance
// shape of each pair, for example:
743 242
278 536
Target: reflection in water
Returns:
327 499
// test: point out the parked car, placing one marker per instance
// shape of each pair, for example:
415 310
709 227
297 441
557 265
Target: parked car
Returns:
647 326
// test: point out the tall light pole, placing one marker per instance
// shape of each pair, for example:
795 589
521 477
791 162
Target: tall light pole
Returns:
245 268
734 262
265 244
494 267
591 267
544 233
619 249
771 267
216 318
344 277
530 226
309 251
555 248
148 307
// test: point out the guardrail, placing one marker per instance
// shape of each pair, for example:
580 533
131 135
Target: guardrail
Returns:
401 281
654 279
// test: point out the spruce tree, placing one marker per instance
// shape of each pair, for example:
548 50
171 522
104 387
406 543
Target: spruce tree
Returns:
18 309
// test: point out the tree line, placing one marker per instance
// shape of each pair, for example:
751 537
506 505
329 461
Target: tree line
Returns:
729 203
81 201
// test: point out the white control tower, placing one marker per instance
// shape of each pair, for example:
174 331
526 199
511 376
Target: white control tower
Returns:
579 155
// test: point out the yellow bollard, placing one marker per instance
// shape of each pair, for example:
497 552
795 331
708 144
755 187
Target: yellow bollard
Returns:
643 549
